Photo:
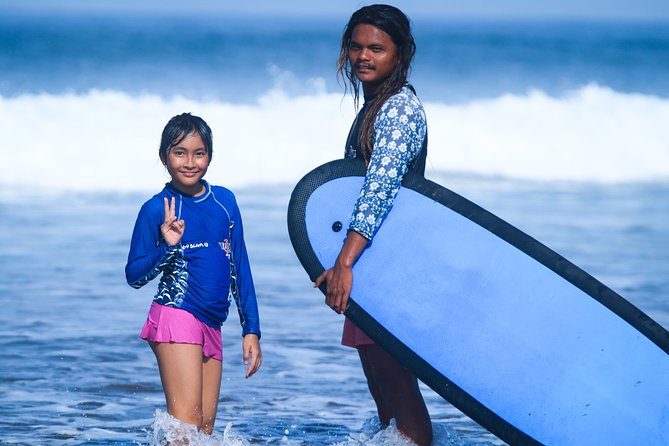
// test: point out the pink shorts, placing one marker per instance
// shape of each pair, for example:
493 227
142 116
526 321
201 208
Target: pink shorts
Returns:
167 324
353 336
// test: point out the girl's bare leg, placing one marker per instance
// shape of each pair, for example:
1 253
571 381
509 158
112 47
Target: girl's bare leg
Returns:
396 393
211 389
181 373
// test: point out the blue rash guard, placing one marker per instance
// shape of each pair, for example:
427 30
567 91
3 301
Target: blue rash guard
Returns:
197 272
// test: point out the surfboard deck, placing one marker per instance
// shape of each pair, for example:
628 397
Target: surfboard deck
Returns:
515 336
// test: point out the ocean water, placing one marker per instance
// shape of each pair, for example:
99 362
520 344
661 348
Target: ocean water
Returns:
559 128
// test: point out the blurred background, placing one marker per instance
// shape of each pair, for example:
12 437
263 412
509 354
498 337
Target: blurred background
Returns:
550 114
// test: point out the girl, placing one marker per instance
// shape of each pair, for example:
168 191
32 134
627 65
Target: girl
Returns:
390 136
191 232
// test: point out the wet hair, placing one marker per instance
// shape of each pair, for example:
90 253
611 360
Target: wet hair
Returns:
397 25
181 126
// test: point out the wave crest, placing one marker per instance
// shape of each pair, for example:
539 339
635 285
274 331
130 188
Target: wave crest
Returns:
108 140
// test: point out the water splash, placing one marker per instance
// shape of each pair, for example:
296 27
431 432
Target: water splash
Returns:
167 430
373 434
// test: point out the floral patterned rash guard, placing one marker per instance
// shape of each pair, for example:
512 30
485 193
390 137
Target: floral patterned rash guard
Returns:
399 133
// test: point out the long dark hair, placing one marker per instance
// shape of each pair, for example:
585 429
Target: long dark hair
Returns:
396 24
181 126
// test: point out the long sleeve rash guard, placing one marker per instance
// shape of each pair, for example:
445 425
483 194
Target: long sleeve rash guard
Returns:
196 273
400 130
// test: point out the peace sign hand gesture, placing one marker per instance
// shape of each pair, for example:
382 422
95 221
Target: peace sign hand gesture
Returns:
173 229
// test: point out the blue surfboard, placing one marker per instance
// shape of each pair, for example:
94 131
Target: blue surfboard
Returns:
518 338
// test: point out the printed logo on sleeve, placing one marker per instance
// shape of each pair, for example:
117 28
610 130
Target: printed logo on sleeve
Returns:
196 245
225 246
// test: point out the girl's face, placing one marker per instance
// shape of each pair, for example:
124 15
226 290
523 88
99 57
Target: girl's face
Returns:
187 162
372 55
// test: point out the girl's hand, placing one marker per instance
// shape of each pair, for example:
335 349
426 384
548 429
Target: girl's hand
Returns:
252 353
173 229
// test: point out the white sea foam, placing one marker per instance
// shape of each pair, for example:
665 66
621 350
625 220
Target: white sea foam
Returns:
593 134
107 140
168 430
372 434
